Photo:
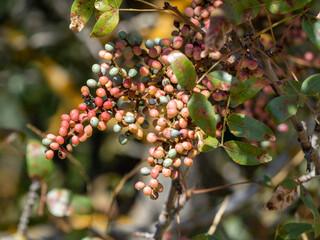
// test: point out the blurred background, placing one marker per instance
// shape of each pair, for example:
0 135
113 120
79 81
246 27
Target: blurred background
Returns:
42 68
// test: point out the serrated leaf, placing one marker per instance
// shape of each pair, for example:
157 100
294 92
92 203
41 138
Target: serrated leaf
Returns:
209 144
311 86
202 113
246 154
241 125
284 196
38 166
294 230
183 69
252 87
108 20
283 107
312 29
226 82
204 236
80 14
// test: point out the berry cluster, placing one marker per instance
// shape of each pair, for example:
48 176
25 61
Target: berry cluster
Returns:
136 86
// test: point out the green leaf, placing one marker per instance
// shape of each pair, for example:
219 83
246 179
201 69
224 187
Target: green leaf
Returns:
312 29
210 143
80 14
283 107
282 7
294 230
202 113
183 69
108 20
246 154
249 5
241 125
226 82
289 183
252 87
311 86
308 201
38 166
204 236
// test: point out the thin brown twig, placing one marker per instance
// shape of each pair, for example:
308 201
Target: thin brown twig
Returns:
200 191
218 216
119 187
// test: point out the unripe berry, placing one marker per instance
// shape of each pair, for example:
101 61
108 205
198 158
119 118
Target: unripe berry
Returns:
145 171
176 162
139 185
167 162
166 172
147 190
49 154
153 183
151 137
54 146
154 173
88 130
123 139
94 122
188 161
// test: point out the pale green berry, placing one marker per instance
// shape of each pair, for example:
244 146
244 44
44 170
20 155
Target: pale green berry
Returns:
117 128
46 141
109 46
96 68
113 71
129 119
91 83
174 133
167 162
145 171
94 122
172 153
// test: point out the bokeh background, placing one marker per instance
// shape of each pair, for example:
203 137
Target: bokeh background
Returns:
42 68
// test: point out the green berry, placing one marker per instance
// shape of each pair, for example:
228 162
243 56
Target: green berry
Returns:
174 133
167 162
132 72
149 44
109 46
165 82
172 153
157 41
46 141
145 171
129 119
91 83
96 68
179 87
94 122
113 71
163 100
123 139
117 128
122 35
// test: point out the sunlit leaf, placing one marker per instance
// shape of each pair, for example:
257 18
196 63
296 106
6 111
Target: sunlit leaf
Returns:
294 230
108 20
283 107
241 125
311 86
183 69
312 29
209 144
80 14
284 195
246 154
202 113
39 167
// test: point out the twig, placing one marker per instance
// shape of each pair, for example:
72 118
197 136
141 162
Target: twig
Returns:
24 219
178 217
200 191
164 217
310 153
218 216
308 177
183 18
119 187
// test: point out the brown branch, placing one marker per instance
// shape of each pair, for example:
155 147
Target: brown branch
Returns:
310 153
165 215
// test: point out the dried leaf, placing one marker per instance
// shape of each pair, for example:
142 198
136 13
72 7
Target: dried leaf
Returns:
283 197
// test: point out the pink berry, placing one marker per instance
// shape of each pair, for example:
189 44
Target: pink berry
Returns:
49 154
139 185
